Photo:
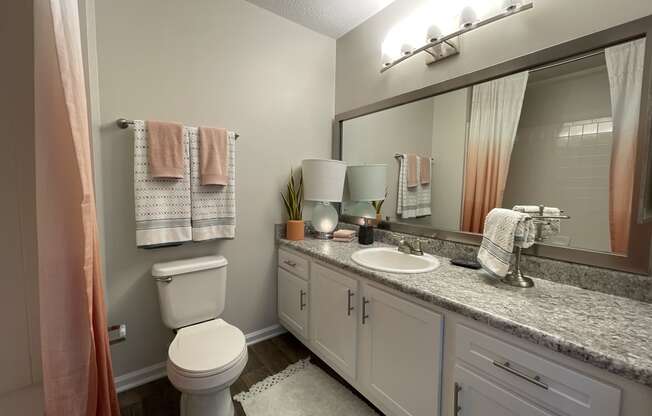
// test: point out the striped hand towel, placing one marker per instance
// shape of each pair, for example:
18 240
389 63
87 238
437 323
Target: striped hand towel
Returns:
503 229
162 205
213 206
414 201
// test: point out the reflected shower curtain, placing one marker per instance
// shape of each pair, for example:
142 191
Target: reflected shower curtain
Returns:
77 376
625 68
495 112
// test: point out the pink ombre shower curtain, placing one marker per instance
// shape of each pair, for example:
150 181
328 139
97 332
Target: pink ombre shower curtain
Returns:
625 68
495 112
77 377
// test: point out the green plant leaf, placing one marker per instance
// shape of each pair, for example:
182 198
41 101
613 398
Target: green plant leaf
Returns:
294 198
287 205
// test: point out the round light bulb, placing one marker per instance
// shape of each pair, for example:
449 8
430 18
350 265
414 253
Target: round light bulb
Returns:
406 49
510 5
391 49
434 33
386 59
468 17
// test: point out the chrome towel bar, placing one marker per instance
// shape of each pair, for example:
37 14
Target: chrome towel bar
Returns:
124 123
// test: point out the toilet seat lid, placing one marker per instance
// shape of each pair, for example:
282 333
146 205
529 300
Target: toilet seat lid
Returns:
207 348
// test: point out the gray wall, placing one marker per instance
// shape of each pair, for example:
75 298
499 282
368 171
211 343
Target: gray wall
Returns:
215 63
20 366
449 153
548 23
375 138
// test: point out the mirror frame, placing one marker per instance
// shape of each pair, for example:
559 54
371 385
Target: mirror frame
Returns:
637 260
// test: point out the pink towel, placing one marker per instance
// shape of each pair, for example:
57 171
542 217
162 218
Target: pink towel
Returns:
412 161
345 234
213 152
424 170
165 149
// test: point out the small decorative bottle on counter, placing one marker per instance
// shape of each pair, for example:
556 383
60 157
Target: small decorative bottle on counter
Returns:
366 233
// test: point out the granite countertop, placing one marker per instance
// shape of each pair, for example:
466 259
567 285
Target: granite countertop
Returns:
607 331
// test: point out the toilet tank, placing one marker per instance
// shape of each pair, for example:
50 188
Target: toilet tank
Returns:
190 291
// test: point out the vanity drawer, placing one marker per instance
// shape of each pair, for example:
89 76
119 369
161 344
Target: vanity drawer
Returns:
293 263
547 382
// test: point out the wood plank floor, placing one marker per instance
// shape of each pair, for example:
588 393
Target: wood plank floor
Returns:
266 358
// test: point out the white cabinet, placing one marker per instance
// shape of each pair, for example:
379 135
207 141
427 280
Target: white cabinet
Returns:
556 387
400 354
476 395
390 349
333 318
293 302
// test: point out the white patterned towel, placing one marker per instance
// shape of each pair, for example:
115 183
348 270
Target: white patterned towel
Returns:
162 205
213 206
549 226
412 202
504 228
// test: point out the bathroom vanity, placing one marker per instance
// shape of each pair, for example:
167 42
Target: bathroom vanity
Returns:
453 342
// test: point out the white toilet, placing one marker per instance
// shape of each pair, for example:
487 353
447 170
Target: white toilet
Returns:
207 354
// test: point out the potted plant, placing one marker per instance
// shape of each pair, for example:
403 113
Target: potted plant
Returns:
294 206
378 206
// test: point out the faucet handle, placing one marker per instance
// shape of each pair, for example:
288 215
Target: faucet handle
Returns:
404 247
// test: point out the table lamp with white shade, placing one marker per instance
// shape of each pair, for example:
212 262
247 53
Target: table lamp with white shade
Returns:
367 183
323 182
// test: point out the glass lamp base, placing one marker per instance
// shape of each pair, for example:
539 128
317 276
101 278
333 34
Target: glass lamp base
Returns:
324 220
323 236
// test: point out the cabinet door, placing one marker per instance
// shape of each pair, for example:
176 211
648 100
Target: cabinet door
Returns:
479 396
293 302
333 318
400 354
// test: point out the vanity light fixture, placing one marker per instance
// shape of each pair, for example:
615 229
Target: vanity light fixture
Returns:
441 39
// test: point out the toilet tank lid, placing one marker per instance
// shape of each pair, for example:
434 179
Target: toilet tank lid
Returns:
173 268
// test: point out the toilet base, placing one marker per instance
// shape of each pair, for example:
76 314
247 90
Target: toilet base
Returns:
217 403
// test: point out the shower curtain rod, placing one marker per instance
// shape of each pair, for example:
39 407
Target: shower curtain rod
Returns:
568 61
124 123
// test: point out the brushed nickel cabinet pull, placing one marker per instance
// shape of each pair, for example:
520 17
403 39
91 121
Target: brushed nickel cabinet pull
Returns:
290 263
365 301
456 399
536 380
349 306
302 304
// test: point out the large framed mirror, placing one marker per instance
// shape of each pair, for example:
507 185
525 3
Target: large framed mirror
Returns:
566 128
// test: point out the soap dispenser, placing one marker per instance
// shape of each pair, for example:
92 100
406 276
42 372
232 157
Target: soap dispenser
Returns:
366 232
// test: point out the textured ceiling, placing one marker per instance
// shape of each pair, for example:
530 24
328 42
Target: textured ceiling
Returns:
331 17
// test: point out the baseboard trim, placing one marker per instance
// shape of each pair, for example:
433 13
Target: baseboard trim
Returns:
265 333
154 372
139 377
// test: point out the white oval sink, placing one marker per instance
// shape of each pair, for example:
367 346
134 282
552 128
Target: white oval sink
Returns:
390 260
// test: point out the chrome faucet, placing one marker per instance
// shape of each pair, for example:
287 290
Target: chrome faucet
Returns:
413 248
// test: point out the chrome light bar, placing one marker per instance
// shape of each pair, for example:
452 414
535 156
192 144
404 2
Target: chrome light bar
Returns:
448 45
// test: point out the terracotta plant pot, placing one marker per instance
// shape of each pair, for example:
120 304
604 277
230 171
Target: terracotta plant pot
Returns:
379 217
294 230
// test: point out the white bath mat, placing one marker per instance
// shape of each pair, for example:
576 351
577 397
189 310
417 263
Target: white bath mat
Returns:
302 389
